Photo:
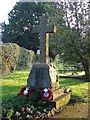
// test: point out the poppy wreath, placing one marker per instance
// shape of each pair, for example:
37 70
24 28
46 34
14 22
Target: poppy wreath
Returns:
46 94
21 93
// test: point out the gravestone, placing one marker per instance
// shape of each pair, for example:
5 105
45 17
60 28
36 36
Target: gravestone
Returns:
43 75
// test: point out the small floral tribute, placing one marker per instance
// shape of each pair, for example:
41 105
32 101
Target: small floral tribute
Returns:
24 92
46 94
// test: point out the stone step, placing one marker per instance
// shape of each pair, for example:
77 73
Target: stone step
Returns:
61 101
58 92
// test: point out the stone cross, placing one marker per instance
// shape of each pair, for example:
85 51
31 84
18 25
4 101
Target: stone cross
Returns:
44 29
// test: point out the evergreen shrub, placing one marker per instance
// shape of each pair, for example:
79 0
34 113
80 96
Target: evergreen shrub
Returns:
13 57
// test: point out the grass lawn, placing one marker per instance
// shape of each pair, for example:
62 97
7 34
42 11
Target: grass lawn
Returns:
12 83
13 108
79 88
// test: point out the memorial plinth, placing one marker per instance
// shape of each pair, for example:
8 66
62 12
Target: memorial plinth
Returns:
39 77
45 76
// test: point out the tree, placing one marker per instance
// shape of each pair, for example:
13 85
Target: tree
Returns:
71 41
21 19
76 37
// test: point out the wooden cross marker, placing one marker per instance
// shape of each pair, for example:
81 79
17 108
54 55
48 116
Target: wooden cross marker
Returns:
44 29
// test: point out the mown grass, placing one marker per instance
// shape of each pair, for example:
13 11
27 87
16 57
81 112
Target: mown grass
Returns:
78 87
12 83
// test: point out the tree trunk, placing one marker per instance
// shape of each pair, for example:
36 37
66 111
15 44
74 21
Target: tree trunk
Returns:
86 69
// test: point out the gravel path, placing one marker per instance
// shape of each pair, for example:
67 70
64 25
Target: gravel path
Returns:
78 110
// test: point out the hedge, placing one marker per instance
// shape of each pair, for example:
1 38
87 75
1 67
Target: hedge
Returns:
26 58
13 57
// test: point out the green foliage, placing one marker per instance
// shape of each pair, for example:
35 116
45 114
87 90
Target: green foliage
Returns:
41 103
26 58
14 105
15 57
24 107
75 39
71 41
21 19
17 103
10 55
9 113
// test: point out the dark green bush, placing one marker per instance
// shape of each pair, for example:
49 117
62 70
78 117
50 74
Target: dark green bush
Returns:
22 107
9 54
26 58
12 56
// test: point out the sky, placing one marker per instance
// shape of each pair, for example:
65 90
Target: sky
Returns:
5 7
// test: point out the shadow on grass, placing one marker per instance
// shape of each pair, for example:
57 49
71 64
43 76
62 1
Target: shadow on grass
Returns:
79 89
16 76
75 98
69 81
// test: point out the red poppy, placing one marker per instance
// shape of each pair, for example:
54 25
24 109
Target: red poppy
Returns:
21 93
46 95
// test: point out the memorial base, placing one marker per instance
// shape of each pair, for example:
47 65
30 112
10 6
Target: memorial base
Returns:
44 76
39 77
61 101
